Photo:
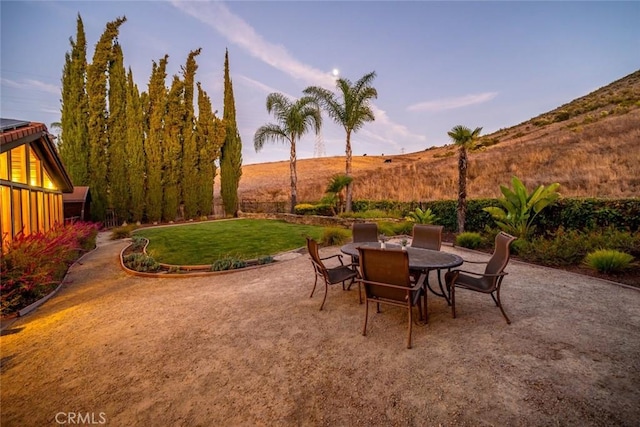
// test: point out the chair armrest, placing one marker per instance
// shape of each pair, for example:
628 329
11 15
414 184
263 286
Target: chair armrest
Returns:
475 262
339 256
504 273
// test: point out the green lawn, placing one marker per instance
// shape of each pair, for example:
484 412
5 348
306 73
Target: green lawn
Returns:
203 243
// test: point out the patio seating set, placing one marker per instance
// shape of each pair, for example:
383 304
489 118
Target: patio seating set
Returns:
399 275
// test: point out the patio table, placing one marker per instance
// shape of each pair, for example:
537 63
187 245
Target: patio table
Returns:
419 259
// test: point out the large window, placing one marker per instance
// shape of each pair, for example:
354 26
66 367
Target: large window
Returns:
19 164
30 199
35 170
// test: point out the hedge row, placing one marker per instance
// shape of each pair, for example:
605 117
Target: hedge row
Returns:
571 213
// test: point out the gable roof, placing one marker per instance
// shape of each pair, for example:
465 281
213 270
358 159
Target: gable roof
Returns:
14 133
80 195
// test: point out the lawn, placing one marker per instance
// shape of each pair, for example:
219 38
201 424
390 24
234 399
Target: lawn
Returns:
203 243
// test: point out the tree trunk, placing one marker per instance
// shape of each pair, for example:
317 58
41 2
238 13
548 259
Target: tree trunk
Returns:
294 175
462 188
348 173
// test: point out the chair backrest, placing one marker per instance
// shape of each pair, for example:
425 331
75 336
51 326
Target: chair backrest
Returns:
365 232
427 236
501 254
385 266
312 247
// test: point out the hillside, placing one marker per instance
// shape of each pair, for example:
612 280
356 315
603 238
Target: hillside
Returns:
591 146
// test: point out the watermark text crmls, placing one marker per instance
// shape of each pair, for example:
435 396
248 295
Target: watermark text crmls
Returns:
81 418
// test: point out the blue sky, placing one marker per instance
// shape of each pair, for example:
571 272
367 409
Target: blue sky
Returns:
438 64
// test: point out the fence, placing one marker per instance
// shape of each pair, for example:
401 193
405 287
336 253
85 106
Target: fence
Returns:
255 206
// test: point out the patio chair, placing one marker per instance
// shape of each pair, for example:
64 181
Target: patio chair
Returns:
488 282
330 275
365 232
428 237
385 276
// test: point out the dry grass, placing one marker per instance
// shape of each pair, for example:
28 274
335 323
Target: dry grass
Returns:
593 153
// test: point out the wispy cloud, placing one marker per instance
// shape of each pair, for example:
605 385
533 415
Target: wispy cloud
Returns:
452 103
31 84
263 87
218 16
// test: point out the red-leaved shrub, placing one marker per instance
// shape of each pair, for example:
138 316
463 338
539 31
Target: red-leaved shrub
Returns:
34 264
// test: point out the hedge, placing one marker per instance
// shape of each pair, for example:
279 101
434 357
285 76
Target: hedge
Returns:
571 213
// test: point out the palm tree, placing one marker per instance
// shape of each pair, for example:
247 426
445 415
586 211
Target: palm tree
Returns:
294 119
351 111
335 190
465 139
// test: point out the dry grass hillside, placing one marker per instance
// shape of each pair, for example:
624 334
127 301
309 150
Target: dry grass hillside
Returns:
591 146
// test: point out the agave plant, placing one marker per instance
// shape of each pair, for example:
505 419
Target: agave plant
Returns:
421 217
519 208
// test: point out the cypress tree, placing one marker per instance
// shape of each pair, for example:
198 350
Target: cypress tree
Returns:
172 150
118 168
98 141
210 134
231 153
134 149
190 161
155 106
74 142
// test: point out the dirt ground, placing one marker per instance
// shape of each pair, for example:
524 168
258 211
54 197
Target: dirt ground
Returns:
251 348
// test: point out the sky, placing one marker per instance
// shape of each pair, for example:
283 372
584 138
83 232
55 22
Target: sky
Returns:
438 64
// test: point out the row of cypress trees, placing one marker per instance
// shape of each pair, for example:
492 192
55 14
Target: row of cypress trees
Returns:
145 154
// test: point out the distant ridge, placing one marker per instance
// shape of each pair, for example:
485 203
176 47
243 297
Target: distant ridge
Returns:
590 145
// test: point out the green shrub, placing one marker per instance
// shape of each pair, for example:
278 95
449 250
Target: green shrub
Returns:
570 247
371 214
403 227
469 239
122 232
141 262
138 242
265 260
309 209
333 236
227 263
608 260
420 216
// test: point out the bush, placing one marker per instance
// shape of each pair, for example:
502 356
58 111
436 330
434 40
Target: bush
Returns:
138 242
333 236
141 262
570 247
608 260
469 239
227 263
371 214
34 264
122 232
309 209
265 260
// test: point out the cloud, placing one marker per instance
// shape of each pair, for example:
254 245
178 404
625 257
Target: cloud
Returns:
32 84
263 87
452 103
234 28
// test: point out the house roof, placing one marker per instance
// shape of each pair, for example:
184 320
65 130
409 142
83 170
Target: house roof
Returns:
80 194
17 132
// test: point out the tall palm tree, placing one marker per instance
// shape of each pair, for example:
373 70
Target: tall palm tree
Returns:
465 139
351 110
294 120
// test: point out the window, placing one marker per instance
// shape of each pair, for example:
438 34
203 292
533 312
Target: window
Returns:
19 164
4 166
48 183
35 170
5 211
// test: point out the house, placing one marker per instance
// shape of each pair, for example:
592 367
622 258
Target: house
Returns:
77 205
32 180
